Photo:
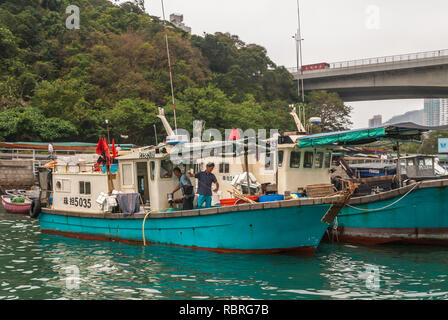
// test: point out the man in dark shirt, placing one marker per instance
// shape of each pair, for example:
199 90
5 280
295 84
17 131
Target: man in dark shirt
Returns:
205 180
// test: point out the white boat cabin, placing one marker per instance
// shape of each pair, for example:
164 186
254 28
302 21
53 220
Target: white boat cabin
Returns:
297 168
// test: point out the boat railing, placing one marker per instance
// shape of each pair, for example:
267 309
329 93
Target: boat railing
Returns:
80 167
38 157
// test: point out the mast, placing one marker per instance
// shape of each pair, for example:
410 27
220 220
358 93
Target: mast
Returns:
169 66
299 39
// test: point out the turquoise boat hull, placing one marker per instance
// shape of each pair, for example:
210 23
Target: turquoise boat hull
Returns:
420 217
240 229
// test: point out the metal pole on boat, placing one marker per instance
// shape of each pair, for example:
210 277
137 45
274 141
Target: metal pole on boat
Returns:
299 53
246 163
276 168
169 66
107 128
155 134
398 164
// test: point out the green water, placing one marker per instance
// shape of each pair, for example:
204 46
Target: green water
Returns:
37 266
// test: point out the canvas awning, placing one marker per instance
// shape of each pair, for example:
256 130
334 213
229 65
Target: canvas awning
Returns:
402 131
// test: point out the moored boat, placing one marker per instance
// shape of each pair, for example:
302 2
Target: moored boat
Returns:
15 207
415 211
415 214
90 204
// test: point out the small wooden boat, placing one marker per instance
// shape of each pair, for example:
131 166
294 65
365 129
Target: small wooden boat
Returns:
12 207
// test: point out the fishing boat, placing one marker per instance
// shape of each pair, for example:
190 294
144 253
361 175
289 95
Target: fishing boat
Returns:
90 204
416 211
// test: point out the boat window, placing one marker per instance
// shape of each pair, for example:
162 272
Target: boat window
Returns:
410 162
58 185
189 167
319 160
152 169
224 167
327 161
308 159
127 174
428 162
295 159
421 163
84 187
280 158
166 169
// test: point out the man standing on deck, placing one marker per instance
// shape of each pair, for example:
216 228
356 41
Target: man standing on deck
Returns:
205 180
187 189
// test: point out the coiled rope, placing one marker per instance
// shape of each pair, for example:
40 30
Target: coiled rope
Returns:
389 205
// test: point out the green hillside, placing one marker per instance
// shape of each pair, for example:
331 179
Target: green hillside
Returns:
61 84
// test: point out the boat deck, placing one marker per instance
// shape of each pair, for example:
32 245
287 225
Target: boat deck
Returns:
202 212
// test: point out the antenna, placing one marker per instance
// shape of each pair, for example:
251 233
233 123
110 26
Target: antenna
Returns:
169 65
299 53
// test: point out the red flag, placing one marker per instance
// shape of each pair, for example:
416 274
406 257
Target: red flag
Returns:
114 151
106 150
100 147
234 135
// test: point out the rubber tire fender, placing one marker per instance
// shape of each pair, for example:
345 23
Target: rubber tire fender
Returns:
35 208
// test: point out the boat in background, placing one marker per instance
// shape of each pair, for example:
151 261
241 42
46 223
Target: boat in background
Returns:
415 211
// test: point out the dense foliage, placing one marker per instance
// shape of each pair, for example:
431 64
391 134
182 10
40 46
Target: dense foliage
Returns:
62 84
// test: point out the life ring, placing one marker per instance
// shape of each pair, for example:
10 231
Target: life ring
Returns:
35 208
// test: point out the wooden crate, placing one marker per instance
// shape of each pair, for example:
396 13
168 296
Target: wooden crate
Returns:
319 190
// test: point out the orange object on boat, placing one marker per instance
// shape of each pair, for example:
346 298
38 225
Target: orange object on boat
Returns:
51 164
236 201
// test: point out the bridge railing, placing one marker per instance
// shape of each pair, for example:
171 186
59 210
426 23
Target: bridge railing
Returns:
379 60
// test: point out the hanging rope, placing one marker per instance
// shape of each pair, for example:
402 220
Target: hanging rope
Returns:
390 205
143 227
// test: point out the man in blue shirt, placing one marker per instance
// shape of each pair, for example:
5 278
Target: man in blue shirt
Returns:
205 180
187 189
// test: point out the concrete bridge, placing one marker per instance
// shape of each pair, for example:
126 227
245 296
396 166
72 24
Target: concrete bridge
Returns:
410 76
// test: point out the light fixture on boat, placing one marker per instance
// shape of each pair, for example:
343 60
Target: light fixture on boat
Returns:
316 120
176 139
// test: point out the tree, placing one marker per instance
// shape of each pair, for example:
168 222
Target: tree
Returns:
115 67
30 124
335 115
430 143
135 118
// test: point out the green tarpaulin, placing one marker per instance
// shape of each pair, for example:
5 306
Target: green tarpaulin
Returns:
341 137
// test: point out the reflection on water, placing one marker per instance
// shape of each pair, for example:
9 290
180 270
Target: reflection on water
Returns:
37 266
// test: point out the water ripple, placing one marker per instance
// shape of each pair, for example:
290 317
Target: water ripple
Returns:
37 266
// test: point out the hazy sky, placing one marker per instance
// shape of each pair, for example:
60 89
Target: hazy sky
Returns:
334 30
